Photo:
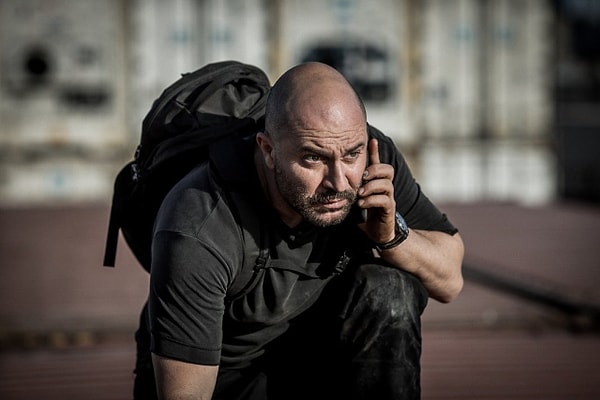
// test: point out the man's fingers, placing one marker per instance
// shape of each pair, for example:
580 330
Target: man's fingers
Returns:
373 152
375 169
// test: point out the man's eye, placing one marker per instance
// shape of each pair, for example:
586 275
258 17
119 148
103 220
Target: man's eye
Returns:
352 156
312 158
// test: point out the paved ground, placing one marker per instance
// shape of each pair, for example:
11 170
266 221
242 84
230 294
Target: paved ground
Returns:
523 328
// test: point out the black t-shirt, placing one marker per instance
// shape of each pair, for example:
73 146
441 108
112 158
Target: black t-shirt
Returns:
199 249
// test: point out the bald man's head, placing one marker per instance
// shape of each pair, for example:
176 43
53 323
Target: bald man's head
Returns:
308 92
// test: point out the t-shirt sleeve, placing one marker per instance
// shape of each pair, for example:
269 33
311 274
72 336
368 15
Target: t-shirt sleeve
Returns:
194 260
418 211
186 299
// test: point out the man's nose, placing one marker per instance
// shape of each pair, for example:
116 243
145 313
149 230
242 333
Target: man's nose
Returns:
335 177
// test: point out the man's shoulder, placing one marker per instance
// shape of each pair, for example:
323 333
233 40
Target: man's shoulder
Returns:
208 194
190 201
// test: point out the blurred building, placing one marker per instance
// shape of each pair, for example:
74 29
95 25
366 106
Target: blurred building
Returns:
577 95
489 100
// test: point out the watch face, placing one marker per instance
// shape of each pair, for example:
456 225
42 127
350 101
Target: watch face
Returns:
401 234
401 223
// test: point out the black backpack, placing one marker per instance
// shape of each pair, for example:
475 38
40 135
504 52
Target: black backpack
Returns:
202 107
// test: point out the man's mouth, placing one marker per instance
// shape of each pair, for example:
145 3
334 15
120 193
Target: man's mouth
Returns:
333 206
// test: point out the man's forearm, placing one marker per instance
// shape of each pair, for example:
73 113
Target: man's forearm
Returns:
435 258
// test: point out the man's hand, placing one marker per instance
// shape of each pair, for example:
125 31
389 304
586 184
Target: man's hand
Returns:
434 257
377 196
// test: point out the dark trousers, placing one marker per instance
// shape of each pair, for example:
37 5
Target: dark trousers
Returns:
361 340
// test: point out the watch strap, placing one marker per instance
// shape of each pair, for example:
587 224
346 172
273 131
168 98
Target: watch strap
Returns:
401 230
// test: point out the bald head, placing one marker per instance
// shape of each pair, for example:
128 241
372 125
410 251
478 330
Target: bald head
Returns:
311 93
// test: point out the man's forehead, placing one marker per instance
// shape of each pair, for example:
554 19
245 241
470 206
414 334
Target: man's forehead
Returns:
338 139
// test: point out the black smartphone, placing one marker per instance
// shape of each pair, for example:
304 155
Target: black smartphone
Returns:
357 215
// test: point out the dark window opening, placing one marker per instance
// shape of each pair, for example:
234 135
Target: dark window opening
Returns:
37 66
366 67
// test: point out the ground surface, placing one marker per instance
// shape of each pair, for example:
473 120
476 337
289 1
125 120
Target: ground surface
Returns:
523 328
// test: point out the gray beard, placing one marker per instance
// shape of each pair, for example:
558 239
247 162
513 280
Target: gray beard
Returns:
306 206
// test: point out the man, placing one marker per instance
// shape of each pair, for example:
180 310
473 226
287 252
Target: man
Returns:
335 312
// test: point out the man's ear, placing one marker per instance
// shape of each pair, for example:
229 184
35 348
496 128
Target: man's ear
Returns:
266 148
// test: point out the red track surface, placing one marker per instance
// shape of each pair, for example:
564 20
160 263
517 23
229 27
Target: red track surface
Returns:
66 323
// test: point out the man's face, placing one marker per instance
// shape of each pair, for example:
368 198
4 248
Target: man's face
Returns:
319 173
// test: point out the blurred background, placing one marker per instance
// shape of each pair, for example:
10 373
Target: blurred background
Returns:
494 103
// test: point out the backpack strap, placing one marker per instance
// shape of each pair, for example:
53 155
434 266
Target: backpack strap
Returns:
229 160
122 183
256 250
112 239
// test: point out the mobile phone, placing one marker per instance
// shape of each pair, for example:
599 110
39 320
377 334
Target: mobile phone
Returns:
357 215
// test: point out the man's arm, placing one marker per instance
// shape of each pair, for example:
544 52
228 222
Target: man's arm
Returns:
434 257
178 380
184 311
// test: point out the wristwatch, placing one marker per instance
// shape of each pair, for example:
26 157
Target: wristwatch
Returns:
401 230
